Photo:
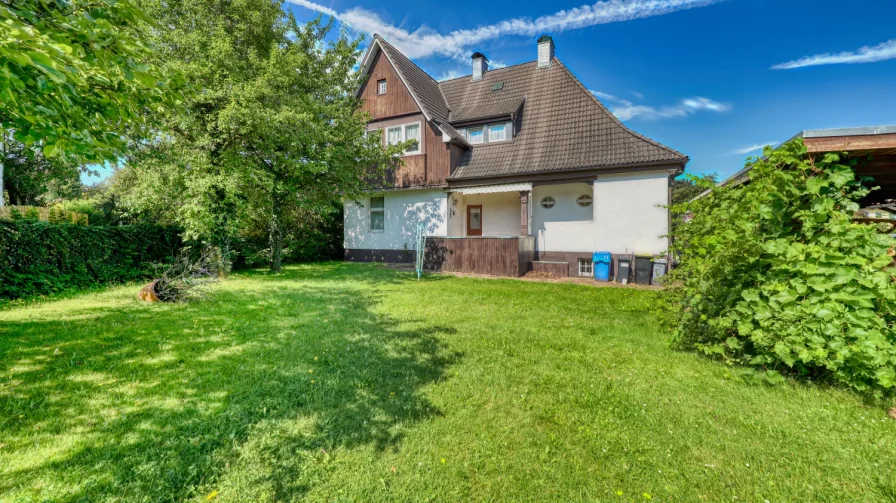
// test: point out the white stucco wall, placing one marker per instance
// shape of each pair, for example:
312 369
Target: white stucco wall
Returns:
567 227
500 213
404 208
629 216
456 215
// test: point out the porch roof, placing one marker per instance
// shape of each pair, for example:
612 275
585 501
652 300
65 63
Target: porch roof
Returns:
494 189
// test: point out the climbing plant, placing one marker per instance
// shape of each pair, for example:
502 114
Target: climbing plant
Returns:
774 273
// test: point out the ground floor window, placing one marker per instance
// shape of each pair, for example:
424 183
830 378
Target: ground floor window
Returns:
585 267
377 214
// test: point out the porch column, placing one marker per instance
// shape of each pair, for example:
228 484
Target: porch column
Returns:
524 212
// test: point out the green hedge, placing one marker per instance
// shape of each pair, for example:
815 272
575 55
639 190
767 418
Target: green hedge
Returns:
38 258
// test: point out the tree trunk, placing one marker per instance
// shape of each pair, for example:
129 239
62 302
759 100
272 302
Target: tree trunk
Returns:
275 232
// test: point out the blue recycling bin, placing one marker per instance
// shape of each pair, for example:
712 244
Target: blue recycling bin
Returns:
601 265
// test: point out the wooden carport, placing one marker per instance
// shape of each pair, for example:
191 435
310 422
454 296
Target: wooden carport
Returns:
874 147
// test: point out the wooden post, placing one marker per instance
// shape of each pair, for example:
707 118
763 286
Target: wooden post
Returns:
524 213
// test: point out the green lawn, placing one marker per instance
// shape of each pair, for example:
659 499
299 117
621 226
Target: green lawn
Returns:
344 382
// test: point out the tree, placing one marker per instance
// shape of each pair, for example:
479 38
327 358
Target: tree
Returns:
303 129
685 189
33 179
273 124
75 78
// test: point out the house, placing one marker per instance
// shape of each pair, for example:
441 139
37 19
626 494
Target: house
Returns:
509 169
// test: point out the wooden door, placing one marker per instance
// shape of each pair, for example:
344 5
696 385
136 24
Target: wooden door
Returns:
474 220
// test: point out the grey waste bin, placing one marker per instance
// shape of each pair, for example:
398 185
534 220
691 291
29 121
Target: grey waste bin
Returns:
623 269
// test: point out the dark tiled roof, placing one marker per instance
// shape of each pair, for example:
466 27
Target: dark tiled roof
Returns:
424 87
563 127
488 110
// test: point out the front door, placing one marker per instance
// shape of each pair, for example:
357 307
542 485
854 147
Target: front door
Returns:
474 220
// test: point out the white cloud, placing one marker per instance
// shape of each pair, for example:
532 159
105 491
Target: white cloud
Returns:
450 74
626 110
424 42
752 148
867 54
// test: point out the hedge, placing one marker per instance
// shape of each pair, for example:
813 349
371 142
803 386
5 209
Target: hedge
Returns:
38 258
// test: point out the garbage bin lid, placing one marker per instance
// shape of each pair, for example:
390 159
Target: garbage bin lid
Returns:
601 256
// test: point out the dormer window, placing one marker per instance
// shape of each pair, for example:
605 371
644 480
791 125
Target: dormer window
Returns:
491 133
497 132
476 135
381 86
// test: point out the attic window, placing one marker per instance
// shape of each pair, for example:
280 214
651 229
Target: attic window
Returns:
498 86
381 86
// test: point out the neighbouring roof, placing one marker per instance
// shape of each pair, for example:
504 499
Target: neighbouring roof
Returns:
822 133
564 127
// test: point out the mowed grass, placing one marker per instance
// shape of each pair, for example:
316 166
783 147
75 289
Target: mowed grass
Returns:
340 382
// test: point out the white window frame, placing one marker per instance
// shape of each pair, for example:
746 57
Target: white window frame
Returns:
589 265
404 133
371 210
490 126
470 135
403 136
381 87
389 129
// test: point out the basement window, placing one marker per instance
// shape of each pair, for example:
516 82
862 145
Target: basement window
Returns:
586 268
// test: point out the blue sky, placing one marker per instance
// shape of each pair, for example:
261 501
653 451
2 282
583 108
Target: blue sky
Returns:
711 78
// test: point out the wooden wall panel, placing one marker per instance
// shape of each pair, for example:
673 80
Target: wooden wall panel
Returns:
480 255
438 157
396 101
850 143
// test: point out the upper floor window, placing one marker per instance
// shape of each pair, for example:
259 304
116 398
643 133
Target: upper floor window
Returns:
403 133
476 135
584 201
491 133
497 132
412 134
381 86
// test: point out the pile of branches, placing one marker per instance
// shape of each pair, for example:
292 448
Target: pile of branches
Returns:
190 275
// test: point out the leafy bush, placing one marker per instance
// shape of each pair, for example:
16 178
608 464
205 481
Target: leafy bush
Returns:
38 258
775 273
307 237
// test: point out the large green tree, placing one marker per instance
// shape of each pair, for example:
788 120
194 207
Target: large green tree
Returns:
273 123
75 76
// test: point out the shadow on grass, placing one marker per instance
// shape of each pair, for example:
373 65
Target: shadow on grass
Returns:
247 390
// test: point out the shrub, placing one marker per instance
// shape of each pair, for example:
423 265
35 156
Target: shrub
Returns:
38 258
775 273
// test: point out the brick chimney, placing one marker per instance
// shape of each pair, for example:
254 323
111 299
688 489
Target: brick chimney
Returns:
480 66
545 51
